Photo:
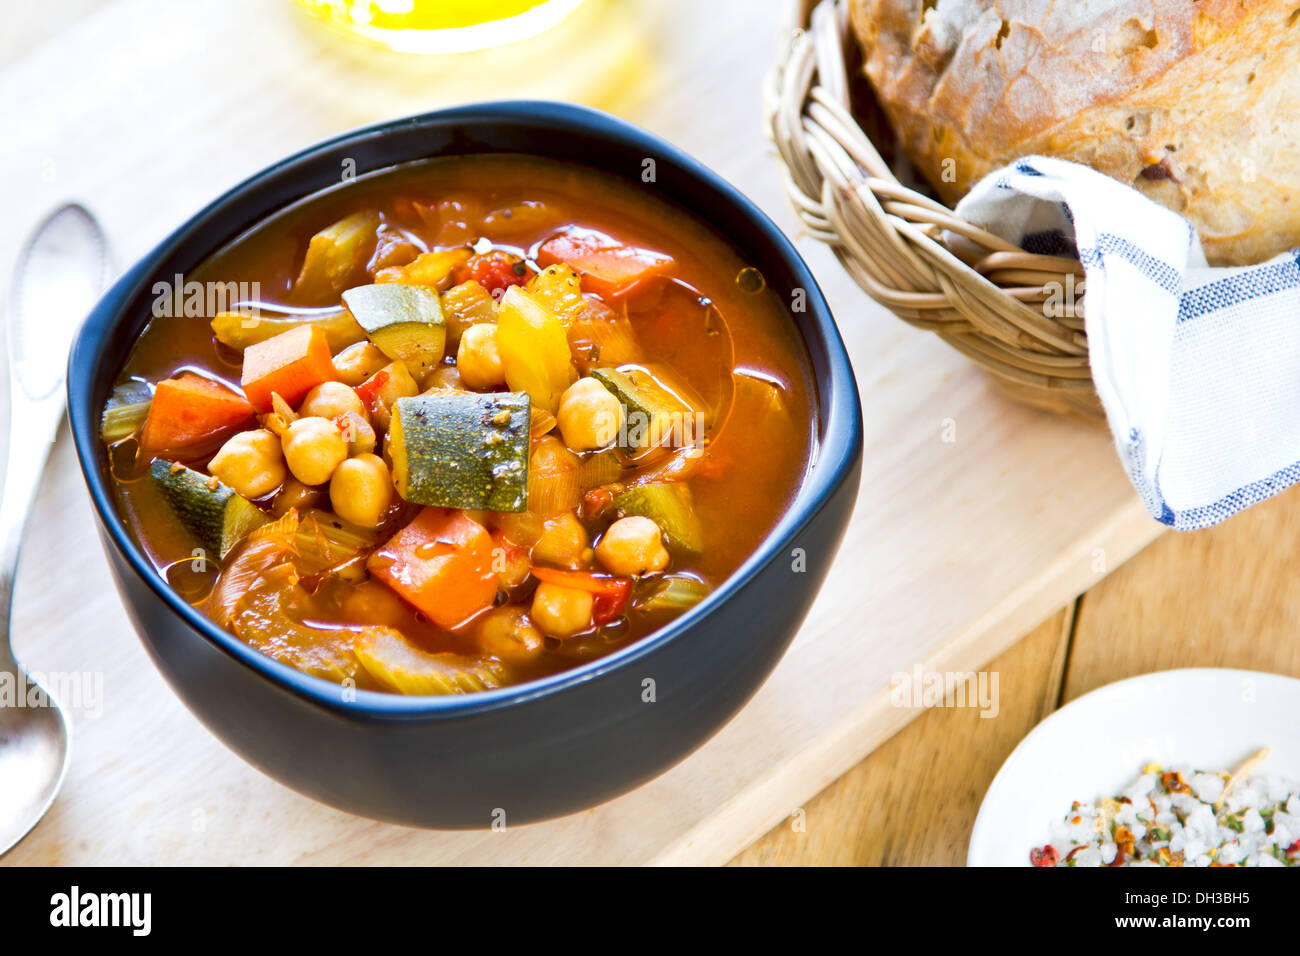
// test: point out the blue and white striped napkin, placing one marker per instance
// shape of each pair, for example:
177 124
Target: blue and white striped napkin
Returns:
1198 367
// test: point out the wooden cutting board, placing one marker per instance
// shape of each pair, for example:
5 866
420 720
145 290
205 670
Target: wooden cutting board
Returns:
977 518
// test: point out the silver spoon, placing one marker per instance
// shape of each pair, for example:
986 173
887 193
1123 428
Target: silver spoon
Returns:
60 273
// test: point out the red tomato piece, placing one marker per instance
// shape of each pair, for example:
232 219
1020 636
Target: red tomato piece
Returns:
1046 856
495 271
608 267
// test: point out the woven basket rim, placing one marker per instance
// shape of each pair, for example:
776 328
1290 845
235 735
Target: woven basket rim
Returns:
1015 313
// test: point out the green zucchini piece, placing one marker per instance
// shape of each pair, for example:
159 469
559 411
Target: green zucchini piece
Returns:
462 450
211 511
404 321
125 411
669 505
674 593
653 413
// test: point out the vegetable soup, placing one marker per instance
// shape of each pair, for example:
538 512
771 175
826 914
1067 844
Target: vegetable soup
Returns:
460 424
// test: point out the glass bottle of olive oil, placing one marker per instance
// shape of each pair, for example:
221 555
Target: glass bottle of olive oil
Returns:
441 26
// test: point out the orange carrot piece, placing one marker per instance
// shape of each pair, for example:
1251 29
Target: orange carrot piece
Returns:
291 364
581 580
189 413
442 564
607 266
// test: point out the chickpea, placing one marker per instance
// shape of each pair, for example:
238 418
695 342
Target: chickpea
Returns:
443 378
511 564
361 490
564 541
250 463
631 546
294 494
508 634
478 359
589 415
356 363
561 611
369 602
313 448
330 400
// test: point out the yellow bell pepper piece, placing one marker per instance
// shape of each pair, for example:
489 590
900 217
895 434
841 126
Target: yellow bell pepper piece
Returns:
534 349
431 268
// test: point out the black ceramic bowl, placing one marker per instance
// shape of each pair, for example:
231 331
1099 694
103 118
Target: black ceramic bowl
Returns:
531 751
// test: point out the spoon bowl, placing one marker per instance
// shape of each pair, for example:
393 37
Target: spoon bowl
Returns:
34 751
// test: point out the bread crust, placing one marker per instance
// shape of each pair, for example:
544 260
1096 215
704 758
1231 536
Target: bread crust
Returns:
1192 103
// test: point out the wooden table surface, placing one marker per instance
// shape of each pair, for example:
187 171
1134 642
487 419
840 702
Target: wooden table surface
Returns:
1218 597
1223 597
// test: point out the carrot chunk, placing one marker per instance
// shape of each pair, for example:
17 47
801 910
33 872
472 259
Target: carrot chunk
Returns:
607 266
442 564
189 413
291 364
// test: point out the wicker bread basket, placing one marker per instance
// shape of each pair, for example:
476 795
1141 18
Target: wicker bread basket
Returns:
987 298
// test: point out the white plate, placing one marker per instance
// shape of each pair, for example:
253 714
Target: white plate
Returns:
1096 745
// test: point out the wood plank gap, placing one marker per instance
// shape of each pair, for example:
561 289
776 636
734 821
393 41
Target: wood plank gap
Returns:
1065 653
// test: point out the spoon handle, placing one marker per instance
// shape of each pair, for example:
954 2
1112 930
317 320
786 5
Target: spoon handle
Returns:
59 275
32 426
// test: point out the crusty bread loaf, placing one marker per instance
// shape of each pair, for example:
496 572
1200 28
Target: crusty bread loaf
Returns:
1195 103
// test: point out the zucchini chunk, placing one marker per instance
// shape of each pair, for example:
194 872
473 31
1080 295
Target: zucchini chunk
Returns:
462 450
669 505
213 512
404 321
655 416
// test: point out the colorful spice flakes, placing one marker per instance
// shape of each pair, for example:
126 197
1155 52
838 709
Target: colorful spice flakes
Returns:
1182 817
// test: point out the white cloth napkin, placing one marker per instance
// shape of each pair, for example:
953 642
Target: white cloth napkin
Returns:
1198 368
